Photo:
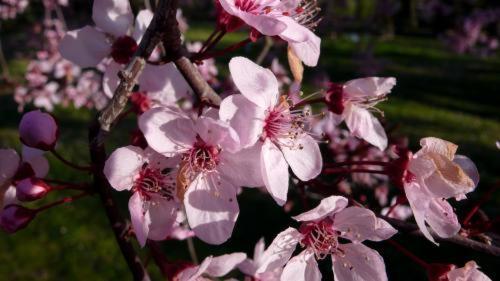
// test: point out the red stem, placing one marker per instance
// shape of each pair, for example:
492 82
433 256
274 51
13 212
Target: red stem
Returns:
350 171
69 186
203 52
209 40
481 201
409 254
70 164
223 51
62 201
310 101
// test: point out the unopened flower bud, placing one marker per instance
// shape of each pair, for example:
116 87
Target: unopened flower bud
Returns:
15 217
38 130
31 189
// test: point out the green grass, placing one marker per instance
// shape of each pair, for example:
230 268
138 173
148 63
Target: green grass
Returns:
438 94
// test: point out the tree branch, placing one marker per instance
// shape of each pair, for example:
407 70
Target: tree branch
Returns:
412 229
105 121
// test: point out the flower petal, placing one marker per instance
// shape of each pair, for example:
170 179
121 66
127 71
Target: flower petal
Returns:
217 133
439 146
328 206
468 167
308 51
359 224
358 262
222 265
211 208
364 125
85 47
167 131
123 166
279 252
165 83
243 168
369 87
163 213
113 16
244 116
142 21
274 171
9 162
257 84
302 267
419 202
441 218
305 158
140 218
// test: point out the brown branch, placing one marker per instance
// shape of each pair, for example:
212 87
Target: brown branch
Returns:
105 121
412 229
175 52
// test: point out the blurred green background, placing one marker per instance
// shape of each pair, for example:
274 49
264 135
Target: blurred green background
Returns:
454 97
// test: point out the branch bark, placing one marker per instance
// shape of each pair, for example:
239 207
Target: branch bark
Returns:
412 229
163 28
105 121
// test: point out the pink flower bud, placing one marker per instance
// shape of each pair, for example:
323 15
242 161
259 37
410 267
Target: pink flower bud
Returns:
15 217
31 189
38 130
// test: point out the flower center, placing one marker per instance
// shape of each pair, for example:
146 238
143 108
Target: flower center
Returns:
202 157
123 49
284 126
153 181
320 237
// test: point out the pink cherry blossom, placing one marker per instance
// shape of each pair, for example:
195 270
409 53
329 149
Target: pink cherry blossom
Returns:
211 267
262 267
207 68
265 120
291 20
153 205
434 174
351 103
469 272
38 130
207 188
89 45
319 235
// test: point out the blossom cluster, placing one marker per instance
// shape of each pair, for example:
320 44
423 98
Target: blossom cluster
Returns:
190 160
